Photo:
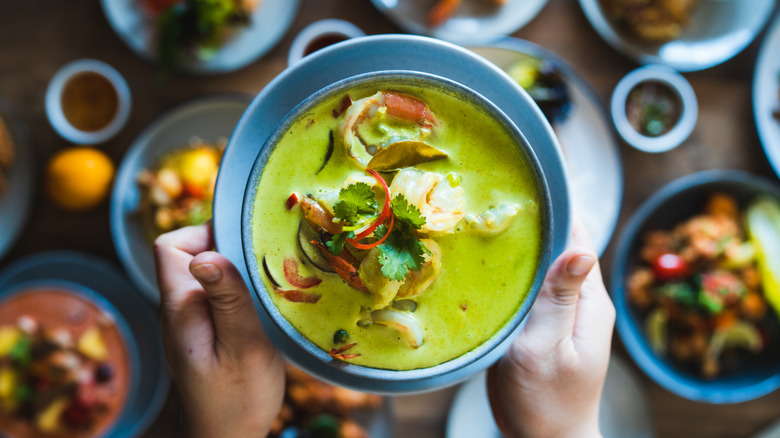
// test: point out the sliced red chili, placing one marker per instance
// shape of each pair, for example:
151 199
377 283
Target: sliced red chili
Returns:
359 245
385 210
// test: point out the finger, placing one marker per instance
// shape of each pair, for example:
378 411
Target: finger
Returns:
553 315
233 312
173 252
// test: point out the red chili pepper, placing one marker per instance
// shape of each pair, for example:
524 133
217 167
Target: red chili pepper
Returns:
292 201
385 210
670 266
359 245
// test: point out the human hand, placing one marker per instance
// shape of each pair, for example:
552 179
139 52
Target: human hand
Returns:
549 382
229 375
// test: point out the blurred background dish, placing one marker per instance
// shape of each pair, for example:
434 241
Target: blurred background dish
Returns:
179 152
686 35
623 413
267 22
580 121
319 35
17 176
466 22
102 284
766 94
693 306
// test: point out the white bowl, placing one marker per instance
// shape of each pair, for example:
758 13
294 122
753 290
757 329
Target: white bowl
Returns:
688 114
318 29
54 106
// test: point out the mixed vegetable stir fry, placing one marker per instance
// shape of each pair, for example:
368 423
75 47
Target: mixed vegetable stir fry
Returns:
706 289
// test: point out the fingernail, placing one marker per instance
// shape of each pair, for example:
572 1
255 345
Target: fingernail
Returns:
580 265
206 272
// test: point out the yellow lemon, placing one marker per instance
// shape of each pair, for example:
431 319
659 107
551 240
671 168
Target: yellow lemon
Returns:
79 178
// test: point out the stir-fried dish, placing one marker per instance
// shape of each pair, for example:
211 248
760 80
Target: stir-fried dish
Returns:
443 10
6 154
313 408
63 366
179 191
397 227
701 289
653 21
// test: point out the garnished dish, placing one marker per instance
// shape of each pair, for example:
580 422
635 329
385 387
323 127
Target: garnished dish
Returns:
706 289
546 85
374 243
652 21
7 154
179 190
64 368
313 408
195 29
653 108
443 10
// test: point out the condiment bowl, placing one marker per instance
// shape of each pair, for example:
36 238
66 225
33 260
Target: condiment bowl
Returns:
677 201
311 358
321 34
54 95
678 85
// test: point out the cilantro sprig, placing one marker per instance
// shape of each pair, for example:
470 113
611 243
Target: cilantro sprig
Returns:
356 202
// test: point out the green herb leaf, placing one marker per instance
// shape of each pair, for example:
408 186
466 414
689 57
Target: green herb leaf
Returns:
356 201
401 253
21 352
407 216
336 243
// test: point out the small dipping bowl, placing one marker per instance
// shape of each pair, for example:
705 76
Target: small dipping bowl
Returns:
87 101
319 35
658 80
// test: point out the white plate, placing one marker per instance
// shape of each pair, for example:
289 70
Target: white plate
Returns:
718 30
766 83
269 22
15 203
623 413
592 157
209 118
474 22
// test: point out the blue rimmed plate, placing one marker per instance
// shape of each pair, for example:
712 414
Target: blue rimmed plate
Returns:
766 94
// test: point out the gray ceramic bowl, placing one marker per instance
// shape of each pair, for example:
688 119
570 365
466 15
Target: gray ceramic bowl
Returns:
317 362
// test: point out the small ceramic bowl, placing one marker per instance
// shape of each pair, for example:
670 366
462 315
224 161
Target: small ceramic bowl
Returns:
314 360
674 203
321 34
680 88
54 110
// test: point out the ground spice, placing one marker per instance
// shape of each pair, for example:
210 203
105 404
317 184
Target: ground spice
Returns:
89 101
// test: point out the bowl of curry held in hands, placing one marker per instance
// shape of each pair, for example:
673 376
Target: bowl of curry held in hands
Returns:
396 228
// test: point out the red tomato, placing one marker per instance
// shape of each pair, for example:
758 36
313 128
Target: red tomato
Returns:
670 266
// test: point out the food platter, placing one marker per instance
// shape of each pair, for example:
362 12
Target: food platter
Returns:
717 31
593 165
766 83
623 413
15 203
352 57
474 22
269 22
209 118
100 278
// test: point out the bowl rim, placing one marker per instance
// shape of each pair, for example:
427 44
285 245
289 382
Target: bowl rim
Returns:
378 375
56 116
657 368
689 111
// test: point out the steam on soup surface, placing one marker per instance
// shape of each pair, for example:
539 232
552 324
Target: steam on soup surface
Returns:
463 216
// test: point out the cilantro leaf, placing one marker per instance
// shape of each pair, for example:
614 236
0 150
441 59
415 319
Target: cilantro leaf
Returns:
401 253
407 216
336 243
355 202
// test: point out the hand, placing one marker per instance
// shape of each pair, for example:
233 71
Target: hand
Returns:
549 382
229 376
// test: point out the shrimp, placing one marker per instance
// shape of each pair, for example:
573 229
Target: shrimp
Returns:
374 122
440 201
493 220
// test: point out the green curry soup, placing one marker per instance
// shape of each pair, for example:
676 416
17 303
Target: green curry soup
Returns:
488 258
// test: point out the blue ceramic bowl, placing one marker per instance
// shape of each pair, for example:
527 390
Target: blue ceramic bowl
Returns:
311 358
674 203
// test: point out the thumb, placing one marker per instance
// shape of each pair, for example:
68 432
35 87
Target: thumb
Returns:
553 315
232 310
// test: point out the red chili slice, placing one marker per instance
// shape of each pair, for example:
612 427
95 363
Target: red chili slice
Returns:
292 201
298 296
385 210
359 245
295 279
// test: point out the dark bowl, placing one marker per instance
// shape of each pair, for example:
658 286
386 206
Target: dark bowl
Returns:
672 204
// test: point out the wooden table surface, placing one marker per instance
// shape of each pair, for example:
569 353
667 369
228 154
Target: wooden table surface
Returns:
38 36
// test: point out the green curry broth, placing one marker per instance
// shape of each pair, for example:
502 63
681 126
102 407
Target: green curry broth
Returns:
484 278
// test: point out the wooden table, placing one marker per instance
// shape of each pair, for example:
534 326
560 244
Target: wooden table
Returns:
37 37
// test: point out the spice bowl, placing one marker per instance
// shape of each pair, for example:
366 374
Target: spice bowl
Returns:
654 109
319 35
87 101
